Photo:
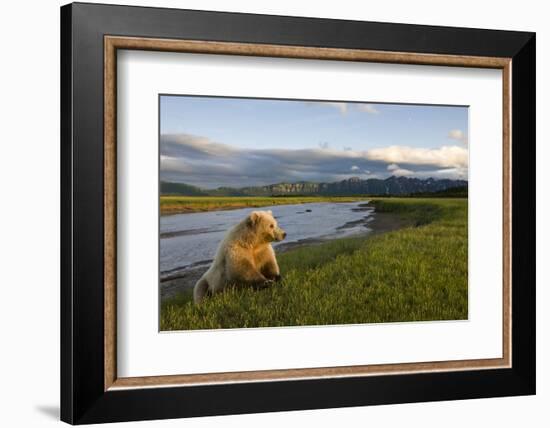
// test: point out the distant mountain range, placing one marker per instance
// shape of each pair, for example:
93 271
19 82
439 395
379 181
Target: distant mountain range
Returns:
352 186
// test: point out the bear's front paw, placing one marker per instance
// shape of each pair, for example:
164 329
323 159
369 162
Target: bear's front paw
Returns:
263 284
277 278
267 283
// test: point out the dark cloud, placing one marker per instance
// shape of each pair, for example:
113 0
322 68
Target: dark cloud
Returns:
203 163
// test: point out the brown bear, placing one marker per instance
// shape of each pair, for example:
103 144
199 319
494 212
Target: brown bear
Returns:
244 257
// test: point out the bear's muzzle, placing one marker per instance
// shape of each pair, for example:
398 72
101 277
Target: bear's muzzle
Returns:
280 234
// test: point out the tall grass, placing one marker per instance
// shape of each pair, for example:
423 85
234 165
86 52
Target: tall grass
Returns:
417 273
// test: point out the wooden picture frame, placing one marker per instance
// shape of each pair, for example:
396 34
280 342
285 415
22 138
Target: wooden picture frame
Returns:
91 390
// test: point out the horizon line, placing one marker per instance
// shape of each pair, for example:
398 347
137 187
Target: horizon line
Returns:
316 182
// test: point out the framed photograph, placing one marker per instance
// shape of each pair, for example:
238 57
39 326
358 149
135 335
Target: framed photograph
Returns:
266 213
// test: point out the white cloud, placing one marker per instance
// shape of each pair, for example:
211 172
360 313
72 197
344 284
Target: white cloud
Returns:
341 107
397 171
453 173
402 172
450 173
354 168
458 135
445 156
368 108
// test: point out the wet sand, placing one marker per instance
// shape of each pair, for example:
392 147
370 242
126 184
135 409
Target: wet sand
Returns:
377 224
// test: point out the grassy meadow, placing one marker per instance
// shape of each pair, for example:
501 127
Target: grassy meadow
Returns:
190 204
417 273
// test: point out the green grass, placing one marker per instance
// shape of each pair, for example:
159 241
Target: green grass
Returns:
418 273
188 204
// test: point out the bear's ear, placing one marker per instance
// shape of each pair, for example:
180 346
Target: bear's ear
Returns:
254 218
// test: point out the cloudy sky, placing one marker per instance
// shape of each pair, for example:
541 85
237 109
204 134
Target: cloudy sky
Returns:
211 142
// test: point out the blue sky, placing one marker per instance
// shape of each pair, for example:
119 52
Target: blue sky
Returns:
213 141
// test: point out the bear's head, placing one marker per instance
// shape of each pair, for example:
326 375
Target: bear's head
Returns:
265 226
